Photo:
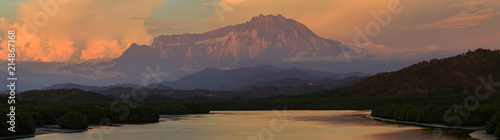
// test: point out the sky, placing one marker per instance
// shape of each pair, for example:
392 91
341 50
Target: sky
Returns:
81 30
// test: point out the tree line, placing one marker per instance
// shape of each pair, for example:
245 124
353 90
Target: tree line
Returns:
78 115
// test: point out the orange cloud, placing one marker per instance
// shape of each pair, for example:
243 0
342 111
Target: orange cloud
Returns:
80 30
101 49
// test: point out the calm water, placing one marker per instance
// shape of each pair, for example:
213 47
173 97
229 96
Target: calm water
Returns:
265 125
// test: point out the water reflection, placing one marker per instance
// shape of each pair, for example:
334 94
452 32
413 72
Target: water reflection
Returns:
276 125
425 134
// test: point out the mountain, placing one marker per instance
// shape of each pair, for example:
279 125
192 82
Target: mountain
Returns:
124 85
63 95
461 74
97 88
30 80
21 85
265 39
75 86
217 79
158 86
293 82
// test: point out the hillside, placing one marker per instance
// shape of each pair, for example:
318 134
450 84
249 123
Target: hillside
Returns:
454 75
217 79
62 95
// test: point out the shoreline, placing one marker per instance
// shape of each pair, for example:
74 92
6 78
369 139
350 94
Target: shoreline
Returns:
479 132
437 125
54 129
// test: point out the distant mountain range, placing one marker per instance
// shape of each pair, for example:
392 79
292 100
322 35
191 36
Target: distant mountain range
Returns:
265 39
238 79
248 82
260 75
293 82
461 74
97 88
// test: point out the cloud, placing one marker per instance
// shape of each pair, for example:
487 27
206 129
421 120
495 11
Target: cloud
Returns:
160 27
80 30
472 14
225 5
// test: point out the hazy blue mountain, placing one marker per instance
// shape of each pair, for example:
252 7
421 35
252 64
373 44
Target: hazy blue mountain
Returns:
295 81
100 88
216 79
72 85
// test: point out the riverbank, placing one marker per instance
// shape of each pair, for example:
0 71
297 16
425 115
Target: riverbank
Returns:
50 129
479 132
437 125
45 130
55 129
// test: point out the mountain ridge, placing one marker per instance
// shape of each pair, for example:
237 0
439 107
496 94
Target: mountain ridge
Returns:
460 74
264 39
217 79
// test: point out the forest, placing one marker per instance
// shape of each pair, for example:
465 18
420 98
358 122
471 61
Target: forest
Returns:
96 109
80 113
486 113
435 91
459 74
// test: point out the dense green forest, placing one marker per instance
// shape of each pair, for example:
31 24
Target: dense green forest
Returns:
411 108
63 95
453 75
486 113
253 92
78 113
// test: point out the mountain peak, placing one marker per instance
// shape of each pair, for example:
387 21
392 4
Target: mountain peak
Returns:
278 24
264 39
269 17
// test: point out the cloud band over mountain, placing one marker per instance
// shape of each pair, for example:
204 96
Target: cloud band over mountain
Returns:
79 29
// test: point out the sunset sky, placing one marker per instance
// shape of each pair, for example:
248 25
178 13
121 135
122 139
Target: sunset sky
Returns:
95 29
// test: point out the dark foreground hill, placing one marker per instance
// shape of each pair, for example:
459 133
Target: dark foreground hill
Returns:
459 74
63 95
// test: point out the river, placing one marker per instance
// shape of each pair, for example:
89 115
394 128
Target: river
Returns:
265 125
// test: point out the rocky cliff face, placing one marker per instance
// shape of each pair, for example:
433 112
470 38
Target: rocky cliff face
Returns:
263 38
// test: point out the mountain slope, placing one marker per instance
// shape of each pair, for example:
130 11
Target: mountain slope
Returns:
271 76
97 88
62 95
216 79
454 75
73 86
270 39
293 82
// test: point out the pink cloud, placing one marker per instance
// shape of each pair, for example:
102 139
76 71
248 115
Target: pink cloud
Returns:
96 28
